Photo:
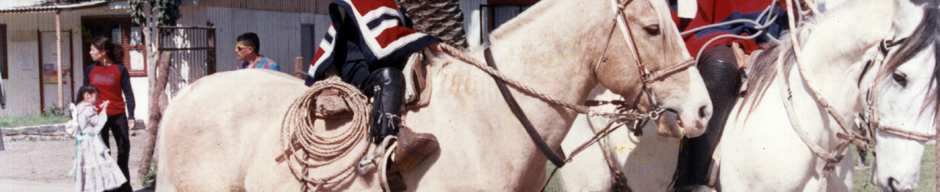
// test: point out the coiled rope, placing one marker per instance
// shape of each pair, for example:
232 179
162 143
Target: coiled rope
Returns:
313 149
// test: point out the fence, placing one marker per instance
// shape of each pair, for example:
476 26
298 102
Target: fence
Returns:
193 51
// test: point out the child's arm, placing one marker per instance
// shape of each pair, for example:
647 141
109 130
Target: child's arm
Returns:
97 121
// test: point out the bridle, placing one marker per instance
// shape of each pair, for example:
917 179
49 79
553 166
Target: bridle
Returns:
624 116
870 117
647 76
627 115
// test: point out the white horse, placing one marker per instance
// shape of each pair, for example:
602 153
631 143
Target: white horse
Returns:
904 100
647 161
214 139
782 136
652 171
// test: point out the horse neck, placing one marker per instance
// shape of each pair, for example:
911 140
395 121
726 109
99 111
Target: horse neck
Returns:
836 53
552 47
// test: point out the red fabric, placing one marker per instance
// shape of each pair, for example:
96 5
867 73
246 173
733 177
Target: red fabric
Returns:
108 81
365 6
393 34
511 2
715 11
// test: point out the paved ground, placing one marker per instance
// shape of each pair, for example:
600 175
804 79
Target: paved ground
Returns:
44 164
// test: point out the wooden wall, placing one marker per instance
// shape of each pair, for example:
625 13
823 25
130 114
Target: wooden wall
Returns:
293 6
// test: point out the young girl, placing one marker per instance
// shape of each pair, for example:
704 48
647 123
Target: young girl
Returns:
93 167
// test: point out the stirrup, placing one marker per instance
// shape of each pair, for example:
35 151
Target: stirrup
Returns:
413 148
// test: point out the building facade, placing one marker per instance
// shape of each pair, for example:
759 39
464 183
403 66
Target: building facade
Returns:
287 29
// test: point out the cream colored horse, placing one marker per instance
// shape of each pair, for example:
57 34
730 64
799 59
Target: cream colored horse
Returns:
648 161
222 133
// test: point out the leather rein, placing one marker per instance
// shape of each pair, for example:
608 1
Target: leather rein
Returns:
623 116
647 77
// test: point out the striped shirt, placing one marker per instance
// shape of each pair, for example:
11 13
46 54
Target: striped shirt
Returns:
265 63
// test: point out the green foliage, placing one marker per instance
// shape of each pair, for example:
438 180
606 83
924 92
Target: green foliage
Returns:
927 173
162 12
555 183
19 121
137 12
53 110
861 181
150 180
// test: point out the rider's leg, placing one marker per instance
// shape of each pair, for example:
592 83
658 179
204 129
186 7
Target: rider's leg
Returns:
384 85
719 70
388 90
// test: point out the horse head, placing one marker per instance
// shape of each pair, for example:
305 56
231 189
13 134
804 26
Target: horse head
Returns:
660 80
903 102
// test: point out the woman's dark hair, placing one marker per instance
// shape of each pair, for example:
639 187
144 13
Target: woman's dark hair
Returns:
85 89
114 51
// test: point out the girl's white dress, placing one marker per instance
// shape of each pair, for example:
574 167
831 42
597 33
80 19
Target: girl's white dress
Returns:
93 166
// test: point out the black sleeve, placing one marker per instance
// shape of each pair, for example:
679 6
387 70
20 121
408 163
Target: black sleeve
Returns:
308 80
128 91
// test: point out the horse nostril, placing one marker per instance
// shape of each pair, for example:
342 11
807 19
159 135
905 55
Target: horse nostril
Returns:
703 112
891 182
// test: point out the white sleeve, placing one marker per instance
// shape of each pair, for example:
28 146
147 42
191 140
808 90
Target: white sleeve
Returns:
71 127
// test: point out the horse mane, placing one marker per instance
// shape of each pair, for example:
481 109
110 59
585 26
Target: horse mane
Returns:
763 69
926 34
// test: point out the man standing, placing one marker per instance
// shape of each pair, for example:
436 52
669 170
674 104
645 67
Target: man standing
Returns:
248 51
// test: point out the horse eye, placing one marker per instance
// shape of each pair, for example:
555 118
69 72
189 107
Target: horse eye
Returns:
900 78
652 30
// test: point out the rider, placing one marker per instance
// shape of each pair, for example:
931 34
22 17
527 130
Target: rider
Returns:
720 67
367 45
368 51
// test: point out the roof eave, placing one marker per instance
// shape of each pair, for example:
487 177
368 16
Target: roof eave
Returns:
54 8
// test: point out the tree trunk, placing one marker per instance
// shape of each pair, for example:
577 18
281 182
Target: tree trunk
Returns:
158 102
156 71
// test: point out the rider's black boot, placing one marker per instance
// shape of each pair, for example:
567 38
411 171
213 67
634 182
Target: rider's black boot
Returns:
388 93
413 147
722 77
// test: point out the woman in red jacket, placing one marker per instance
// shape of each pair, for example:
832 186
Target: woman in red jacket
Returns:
112 80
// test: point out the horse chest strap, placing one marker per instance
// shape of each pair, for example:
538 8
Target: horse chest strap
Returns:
552 156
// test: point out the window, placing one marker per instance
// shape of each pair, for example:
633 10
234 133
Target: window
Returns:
4 64
498 12
121 31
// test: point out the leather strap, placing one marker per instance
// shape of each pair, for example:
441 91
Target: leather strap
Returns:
552 156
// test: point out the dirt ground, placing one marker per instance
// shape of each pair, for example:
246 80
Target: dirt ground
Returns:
43 165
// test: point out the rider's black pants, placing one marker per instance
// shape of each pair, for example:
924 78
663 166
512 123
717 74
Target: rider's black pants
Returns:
719 69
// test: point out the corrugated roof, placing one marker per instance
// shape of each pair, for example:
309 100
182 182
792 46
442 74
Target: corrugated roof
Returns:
19 3
30 6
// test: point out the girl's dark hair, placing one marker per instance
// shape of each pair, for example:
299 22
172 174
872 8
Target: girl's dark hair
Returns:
85 89
114 51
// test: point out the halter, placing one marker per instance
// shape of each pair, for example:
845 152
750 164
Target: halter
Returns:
647 76
849 136
871 118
